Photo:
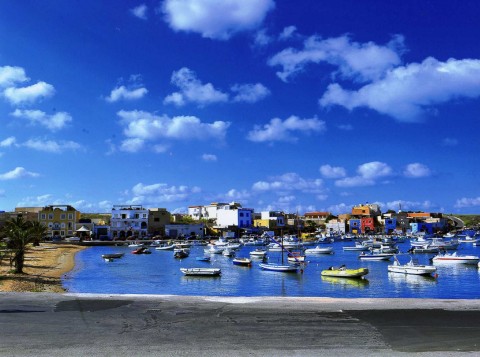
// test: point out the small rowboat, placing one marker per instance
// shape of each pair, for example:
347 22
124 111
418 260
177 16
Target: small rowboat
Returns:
202 259
319 250
201 271
280 268
343 272
242 261
376 256
112 255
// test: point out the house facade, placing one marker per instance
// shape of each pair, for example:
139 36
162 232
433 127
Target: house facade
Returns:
129 221
59 219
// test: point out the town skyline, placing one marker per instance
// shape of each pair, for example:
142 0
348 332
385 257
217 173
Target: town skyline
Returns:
281 106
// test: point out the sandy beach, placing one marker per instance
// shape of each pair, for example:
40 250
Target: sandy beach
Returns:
44 267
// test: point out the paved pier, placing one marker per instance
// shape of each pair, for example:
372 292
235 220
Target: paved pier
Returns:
39 324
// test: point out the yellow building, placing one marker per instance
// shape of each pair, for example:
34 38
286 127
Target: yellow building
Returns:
60 220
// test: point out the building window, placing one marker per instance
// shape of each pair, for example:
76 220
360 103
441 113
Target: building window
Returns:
62 225
62 233
70 216
43 216
63 216
144 215
50 216
241 214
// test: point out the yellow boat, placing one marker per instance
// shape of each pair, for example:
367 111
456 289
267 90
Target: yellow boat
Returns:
343 272
356 282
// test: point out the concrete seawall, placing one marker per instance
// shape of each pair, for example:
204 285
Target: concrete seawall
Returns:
41 324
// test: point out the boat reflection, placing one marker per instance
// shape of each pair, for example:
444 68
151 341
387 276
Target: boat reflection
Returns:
409 279
356 282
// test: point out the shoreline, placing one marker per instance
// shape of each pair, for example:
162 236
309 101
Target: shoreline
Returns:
44 268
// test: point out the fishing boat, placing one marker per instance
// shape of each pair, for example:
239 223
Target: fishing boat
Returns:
426 248
180 253
356 247
165 247
412 267
375 256
279 267
242 261
455 259
343 272
258 253
295 257
319 250
201 271
112 255
141 250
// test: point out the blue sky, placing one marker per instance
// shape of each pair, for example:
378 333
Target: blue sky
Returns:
285 105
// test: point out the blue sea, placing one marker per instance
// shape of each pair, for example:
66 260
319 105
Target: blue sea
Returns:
159 273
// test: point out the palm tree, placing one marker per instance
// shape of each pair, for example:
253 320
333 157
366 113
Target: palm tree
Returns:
19 234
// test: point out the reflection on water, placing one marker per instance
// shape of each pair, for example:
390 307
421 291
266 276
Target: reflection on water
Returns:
355 282
159 273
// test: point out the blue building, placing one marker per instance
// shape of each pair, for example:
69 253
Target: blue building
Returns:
422 227
355 226
390 225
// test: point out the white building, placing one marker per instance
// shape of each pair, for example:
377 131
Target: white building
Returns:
129 221
336 226
277 216
233 214
184 230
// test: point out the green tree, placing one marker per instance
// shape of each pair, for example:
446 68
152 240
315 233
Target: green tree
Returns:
20 233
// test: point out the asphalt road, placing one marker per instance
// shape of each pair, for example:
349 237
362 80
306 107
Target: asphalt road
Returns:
38 324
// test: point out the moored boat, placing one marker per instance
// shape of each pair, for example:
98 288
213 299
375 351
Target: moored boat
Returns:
456 259
180 253
112 255
375 256
258 253
279 267
242 261
201 271
202 259
141 250
343 272
412 267
319 250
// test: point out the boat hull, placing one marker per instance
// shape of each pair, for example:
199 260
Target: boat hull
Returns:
415 270
345 273
279 268
201 271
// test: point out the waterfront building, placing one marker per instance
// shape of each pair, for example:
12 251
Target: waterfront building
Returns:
59 219
270 220
184 230
234 215
367 224
390 225
336 226
368 210
355 226
158 218
317 217
129 221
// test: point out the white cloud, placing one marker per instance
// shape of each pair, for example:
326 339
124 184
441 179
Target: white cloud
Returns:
29 94
41 200
192 90
160 193
359 61
51 146
339 208
123 92
289 182
151 127
132 145
235 195
9 76
209 157
347 127
417 170
278 130
467 202
262 38
408 205
8 142
374 170
406 91
215 19
16 173
288 32
368 174
250 93
140 11
332 171
52 122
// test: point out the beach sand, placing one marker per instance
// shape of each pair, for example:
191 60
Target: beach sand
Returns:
44 267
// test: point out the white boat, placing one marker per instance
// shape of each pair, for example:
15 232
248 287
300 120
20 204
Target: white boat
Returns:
467 239
165 247
295 257
319 250
280 267
455 259
228 252
113 255
242 261
213 249
357 247
412 267
375 257
258 253
201 271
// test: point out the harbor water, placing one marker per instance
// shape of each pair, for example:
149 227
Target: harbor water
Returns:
159 273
